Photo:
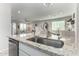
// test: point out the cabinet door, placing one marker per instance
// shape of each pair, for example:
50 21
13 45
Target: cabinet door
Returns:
13 49
31 51
22 53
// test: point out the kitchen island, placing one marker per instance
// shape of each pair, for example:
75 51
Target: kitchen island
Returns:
30 48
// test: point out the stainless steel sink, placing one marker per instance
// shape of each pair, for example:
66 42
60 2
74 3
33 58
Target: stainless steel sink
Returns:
49 42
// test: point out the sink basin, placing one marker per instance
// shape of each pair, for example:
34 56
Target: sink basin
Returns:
49 42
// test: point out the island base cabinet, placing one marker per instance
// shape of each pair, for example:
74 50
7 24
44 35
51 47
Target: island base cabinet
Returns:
27 50
22 53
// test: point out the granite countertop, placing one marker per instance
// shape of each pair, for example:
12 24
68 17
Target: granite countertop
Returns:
59 51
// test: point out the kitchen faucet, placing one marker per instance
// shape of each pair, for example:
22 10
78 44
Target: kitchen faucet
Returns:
48 32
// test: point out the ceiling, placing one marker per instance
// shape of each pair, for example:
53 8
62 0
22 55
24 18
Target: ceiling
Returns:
40 11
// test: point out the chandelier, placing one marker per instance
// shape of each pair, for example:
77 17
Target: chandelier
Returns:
47 4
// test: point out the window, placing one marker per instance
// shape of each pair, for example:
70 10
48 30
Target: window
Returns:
14 28
22 28
58 25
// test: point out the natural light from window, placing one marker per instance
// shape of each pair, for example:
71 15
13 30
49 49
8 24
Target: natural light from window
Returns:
58 25
22 27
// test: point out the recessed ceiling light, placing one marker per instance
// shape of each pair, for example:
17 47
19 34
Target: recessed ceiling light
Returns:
19 11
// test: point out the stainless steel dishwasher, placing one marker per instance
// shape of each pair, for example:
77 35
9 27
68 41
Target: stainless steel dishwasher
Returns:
13 47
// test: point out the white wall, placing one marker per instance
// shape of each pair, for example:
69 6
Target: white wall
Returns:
77 28
5 26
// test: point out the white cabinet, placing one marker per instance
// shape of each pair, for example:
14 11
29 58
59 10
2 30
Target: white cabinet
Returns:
22 53
25 49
